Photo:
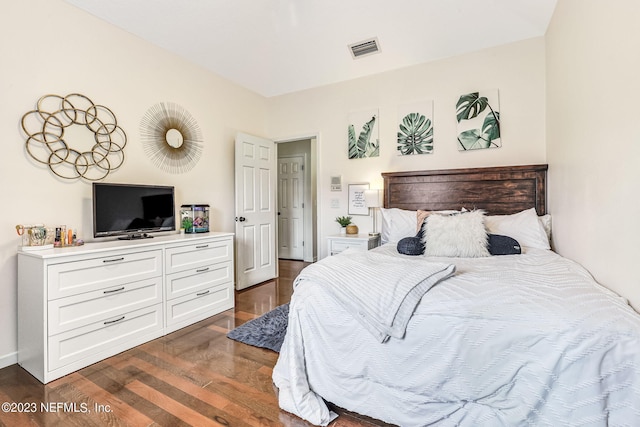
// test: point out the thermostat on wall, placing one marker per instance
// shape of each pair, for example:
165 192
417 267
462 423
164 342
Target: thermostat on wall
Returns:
336 183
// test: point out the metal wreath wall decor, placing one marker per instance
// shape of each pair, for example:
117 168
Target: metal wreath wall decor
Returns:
48 130
171 137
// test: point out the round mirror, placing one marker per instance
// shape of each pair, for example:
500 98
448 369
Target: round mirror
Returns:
171 137
174 138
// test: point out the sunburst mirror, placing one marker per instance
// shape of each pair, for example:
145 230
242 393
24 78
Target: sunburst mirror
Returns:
171 137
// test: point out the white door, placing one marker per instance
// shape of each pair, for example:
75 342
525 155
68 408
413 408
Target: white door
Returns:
255 210
291 207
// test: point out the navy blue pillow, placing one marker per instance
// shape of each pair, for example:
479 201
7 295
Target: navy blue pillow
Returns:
412 245
503 245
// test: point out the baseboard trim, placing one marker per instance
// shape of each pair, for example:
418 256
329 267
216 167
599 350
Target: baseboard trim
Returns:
8 359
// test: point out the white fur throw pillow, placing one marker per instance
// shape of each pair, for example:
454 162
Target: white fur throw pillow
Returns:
458 235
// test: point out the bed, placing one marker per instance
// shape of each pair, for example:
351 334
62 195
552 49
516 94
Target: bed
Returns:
526 338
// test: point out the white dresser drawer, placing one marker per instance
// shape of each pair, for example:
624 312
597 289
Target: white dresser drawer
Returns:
103 337
198 305
362 242
80 310
194 280
71 278
205 252
339 246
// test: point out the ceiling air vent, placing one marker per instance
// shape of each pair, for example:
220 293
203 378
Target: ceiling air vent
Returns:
364 48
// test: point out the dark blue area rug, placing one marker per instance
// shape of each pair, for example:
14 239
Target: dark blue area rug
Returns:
266 331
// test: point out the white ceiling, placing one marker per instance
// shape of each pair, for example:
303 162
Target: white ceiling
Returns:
274 47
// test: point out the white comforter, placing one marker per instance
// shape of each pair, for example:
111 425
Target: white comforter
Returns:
526 339
383 296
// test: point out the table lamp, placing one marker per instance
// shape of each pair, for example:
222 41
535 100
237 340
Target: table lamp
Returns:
372 201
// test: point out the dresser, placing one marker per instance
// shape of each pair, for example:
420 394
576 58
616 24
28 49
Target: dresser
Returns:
340 242
198 281
79 305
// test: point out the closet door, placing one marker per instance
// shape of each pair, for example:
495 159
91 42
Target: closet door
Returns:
291 207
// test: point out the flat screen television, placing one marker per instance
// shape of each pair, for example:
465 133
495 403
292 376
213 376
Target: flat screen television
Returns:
132 211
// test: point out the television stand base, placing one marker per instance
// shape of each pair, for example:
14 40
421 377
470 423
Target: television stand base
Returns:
135 236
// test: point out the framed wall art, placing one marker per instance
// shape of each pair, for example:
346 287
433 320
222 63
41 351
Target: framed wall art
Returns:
362 133
357 200
478 116
415 129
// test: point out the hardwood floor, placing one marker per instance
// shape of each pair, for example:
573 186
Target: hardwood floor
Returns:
195 376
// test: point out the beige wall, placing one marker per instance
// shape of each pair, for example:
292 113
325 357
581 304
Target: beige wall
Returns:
593 143
516 70
50 47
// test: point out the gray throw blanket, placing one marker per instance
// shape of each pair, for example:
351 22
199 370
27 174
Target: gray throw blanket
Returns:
379 290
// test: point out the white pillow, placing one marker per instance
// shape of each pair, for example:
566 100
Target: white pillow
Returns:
523 226
458 235
545 220
397 224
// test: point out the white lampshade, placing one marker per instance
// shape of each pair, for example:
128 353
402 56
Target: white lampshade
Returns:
372 198
372 201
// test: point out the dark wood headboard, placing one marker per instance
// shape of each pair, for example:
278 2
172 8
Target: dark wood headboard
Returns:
498 190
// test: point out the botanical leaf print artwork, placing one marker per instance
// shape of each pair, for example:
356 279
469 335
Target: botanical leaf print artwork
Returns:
415 135
478 119
366 144
415 129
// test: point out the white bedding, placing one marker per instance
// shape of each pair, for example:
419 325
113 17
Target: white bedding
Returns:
508 340
383 296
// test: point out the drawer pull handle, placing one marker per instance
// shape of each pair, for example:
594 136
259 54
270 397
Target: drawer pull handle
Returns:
114 290
109 322
113 260
202 270
203 293
202 246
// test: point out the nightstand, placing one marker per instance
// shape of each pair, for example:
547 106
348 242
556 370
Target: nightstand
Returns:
340 242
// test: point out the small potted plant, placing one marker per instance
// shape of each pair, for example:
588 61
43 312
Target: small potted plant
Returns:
344 221
187 224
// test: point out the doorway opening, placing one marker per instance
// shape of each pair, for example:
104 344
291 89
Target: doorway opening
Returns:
296 199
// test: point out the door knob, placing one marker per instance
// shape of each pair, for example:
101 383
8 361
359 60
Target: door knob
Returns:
242 219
